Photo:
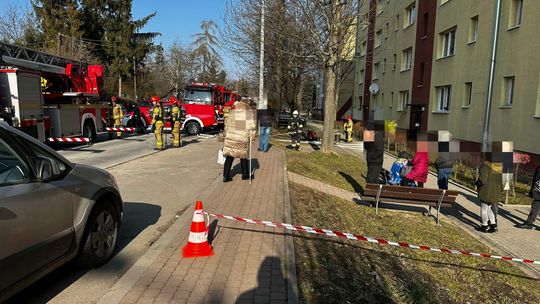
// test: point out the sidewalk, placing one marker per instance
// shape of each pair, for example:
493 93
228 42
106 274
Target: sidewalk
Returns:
466 214
252 264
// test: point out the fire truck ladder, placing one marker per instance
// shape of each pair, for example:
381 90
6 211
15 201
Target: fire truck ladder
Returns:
35 60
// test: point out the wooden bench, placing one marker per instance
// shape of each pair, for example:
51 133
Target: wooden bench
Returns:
435 198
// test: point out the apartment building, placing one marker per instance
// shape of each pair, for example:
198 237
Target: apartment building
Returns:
432 63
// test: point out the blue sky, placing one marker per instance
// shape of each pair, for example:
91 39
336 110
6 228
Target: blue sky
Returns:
176 20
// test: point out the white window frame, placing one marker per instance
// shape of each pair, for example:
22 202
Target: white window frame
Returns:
403 100
443 98
378 38
509 90
363 48
448 47
516 14
407 59
468 90
473 30
410 15
376 70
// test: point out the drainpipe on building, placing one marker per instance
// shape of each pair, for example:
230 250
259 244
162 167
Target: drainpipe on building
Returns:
487 115
356 59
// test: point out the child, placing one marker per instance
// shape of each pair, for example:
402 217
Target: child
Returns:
398 168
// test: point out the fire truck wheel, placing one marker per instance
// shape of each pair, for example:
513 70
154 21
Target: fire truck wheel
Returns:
89 131
100 236
193 128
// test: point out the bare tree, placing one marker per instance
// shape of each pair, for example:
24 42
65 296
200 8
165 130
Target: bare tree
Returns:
287 56
15 23
330 24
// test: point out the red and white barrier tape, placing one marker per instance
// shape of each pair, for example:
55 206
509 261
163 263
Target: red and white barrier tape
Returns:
356 237
69 139
120 129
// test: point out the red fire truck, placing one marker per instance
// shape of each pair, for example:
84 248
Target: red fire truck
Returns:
50 97
204 104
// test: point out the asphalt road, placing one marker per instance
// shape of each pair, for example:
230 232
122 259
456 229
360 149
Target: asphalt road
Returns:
155 187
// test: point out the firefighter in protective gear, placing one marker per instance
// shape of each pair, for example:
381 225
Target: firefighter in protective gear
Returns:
348 126
177 120
295 130
157 123
117 115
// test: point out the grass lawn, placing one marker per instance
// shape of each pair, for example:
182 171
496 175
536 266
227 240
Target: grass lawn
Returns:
343 171
332 270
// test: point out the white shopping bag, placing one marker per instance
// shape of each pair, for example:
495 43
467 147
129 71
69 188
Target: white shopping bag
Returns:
220 157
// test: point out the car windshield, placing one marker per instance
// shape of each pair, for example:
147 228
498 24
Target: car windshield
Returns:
201 97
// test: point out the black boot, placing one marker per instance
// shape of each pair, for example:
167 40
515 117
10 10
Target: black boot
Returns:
482 228
493 228
227 179
525 226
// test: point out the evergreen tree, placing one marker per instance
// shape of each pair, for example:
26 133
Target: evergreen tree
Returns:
205 44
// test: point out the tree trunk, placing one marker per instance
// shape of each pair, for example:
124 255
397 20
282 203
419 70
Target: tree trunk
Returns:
329 107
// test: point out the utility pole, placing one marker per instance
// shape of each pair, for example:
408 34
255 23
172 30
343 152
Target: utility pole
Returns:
119 86
261 104
135 79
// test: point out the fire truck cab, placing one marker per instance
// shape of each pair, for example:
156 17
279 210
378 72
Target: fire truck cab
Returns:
204 104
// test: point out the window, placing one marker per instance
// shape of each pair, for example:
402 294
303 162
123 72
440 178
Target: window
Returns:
361 76
403 100
516 12
447 43
422 73
426 25
468 95
444 95
378 6
384 66
13 170
508 91
382 100
360 102
391 99
378 38
395 62
407 59
410 15
397 23
376 70
387 30
473 29
363 48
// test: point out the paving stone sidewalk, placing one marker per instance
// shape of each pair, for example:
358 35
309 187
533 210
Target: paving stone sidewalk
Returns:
509 240
252 264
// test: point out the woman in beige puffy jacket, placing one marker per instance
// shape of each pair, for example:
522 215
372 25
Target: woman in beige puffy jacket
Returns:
241 124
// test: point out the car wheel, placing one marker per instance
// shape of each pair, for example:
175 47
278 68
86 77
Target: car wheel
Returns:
100 236
89 131
193 128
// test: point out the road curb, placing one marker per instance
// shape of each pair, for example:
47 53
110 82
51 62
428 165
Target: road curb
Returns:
292 279
137 270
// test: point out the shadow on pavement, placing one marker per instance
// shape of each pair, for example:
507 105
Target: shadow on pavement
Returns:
137 216
269 274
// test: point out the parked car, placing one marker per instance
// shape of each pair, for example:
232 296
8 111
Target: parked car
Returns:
51 211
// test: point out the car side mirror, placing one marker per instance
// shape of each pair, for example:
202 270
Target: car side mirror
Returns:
46 168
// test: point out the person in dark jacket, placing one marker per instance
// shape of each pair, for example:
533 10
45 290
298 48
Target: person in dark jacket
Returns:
374 146
444 165
265 124
489 185
535 195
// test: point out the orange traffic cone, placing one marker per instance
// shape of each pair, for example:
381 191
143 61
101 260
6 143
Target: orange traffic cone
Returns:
198 245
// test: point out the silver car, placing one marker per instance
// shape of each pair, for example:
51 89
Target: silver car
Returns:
51 211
